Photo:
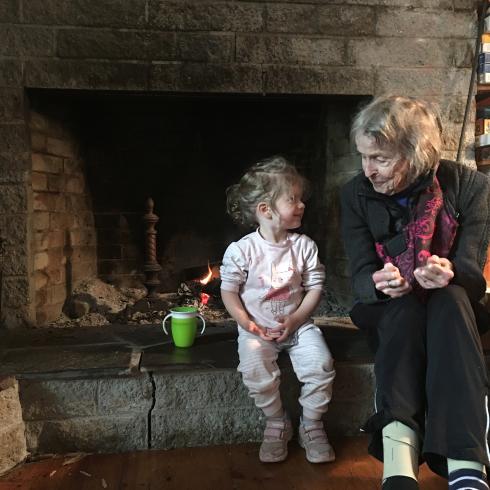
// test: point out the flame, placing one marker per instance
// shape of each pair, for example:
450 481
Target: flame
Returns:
205 298
207 277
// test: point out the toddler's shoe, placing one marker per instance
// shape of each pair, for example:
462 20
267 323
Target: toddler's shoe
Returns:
278 432
313 439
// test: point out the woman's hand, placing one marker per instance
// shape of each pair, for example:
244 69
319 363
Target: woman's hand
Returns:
389 281
437 273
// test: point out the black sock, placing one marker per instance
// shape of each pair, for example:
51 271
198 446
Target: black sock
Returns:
466 478
400 483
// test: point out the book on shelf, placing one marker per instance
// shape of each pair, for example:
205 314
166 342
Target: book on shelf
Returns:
485 47
482 140
482 126
484 77
483 58
484 67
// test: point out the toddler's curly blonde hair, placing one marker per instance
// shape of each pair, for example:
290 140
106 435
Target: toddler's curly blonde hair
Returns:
265 181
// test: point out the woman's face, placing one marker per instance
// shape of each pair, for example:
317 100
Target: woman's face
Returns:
387 171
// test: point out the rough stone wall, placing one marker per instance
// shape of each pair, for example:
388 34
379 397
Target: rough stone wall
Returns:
12 429
63 230
365 47
101 415
343 165
172 409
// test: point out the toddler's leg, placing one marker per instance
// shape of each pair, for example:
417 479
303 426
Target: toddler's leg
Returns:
261 376
313 365
260 372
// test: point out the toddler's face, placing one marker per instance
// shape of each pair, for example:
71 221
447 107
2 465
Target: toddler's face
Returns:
289 208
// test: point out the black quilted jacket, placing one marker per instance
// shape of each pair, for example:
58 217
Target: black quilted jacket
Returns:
367 217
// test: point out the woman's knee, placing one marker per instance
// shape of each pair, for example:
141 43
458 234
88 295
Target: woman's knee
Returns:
452 296
407 309
450 308
404 318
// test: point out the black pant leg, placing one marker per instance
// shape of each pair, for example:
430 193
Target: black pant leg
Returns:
457 382
400 364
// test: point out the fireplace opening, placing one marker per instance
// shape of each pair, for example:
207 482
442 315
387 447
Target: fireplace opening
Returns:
98 156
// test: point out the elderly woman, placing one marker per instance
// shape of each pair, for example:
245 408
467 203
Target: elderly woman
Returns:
416 233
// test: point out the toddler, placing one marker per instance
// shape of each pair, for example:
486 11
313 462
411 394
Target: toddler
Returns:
271 283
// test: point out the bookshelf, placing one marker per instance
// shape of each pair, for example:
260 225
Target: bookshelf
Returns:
482 118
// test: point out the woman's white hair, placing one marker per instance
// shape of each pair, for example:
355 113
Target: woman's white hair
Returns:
407 126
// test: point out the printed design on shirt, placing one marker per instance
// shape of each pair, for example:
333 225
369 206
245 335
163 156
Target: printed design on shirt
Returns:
279 293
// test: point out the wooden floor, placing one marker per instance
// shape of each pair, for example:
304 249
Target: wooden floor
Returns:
210 468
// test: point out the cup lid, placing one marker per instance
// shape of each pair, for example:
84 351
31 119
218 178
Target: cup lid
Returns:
184 309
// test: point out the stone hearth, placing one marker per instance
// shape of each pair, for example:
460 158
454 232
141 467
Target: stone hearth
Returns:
122 388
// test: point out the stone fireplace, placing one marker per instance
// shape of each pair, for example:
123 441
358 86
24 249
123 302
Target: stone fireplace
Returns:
103 104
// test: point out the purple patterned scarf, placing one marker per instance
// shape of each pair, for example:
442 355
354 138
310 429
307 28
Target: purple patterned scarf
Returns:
430 232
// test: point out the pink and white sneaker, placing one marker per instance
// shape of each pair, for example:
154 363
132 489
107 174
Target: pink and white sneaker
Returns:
313 438
278 432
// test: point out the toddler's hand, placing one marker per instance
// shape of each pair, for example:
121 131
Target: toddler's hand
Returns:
274 333
287 327
259 331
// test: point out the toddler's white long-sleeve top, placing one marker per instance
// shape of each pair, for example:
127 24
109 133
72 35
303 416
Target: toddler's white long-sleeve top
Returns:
271 278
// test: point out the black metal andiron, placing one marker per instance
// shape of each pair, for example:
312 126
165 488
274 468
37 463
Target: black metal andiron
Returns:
151 267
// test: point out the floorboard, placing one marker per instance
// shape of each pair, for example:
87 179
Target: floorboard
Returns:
209 468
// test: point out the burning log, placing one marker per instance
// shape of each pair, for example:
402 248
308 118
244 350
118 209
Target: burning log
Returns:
206 294
201 287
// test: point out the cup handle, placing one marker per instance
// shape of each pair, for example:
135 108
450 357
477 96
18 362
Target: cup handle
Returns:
203 324
163 322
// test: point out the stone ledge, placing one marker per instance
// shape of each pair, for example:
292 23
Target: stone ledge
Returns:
120 388
172 409
127 350
122 350
153 395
